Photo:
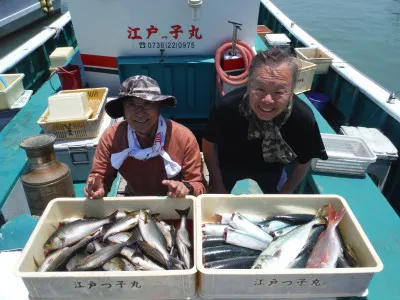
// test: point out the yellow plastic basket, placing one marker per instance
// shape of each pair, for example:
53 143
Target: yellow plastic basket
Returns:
304 76
78 129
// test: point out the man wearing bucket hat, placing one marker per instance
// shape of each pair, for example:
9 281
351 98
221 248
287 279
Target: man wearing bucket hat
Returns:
254 131
156 156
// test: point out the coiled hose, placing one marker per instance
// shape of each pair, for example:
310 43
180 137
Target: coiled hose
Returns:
247 53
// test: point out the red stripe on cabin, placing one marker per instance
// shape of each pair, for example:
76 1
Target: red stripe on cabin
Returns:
99 61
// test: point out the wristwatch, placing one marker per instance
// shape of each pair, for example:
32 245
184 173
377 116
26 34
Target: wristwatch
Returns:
189 187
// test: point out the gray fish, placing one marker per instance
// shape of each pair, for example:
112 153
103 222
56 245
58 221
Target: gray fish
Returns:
129 251
126 223
99 258
69 220
74 261
75 231
182 240
48 261
154 237
114 264
152 253
243 262
212 241
119 238
68 252
225 252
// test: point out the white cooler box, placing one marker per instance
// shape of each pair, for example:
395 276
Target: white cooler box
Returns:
78 154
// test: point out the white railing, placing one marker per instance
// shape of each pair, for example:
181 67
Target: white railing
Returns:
31 45
367 86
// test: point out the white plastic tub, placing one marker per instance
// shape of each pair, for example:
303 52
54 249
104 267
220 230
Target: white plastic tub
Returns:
14 89
347 155
285 283
172 284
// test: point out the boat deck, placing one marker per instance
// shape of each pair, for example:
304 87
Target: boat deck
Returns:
376 216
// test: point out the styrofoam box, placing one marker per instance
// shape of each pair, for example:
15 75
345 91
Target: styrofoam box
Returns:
78 154
219 283
60 56
13 91
68 107
171 284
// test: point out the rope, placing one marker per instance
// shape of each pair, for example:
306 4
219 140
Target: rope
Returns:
57 29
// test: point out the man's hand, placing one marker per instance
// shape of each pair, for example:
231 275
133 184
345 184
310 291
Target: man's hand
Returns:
94 188
176 189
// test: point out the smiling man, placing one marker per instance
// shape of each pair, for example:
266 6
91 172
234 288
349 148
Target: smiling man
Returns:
254 131
156 156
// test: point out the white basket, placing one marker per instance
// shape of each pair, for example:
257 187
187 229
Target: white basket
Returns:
254 283
173 284
347 155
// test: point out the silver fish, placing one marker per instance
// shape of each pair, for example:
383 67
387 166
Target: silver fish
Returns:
99 258
282 251
283 231
243 239
69 220
243 262
166 231
271 226
75 231
145 264
68 252
241 223
211 241
154 237
120 237
136 233
74 261
48 261
128 265
182 240
214 229
114 264
226 218
173 240
126 223
139 261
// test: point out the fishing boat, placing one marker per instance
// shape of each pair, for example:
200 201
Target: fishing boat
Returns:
106 60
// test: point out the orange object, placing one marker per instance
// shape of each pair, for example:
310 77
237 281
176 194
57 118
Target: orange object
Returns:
247 54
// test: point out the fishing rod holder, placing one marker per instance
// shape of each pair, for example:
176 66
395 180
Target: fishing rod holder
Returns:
236 26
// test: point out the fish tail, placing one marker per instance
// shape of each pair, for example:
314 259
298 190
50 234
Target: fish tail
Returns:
322 212
183 212
113 217
334 218
170 261
130 241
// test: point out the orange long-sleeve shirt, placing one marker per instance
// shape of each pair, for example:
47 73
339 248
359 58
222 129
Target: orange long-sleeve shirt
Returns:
144 177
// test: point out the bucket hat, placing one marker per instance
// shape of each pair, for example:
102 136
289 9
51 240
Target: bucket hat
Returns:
140 86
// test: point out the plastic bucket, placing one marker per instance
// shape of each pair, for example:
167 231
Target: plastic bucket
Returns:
70 77
318 100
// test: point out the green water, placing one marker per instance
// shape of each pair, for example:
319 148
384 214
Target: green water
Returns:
365 33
